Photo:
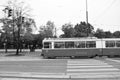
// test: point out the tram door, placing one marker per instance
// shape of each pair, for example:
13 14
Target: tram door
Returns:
100 45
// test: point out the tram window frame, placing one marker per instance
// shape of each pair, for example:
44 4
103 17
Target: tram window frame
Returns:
49 45
117 43
110 44
69 44
61 43
80 44
90 44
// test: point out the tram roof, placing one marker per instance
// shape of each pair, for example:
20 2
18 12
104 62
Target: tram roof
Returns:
78 39
69 39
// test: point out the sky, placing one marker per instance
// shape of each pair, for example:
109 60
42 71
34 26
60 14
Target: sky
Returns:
103 14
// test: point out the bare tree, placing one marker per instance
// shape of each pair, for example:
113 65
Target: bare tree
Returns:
19 14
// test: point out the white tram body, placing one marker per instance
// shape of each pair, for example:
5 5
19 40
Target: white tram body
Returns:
74 47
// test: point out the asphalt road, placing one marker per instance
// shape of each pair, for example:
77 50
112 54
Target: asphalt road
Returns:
62 69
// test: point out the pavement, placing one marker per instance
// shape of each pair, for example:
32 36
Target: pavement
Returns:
60 69
33 67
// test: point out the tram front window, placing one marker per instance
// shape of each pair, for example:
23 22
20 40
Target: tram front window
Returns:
117 43
90 44
110 43
80 44
59 45
47 45
69 44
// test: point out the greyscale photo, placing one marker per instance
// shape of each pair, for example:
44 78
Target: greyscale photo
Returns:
59 39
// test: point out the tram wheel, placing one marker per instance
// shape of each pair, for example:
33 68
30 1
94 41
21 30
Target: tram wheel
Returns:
72 57
110 56
45 57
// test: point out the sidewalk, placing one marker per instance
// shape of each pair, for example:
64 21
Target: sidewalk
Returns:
25 55
34 75
21 58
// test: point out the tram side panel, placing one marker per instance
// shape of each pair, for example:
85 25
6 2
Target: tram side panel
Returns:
111 52
71 52
104 47
111 48
89 51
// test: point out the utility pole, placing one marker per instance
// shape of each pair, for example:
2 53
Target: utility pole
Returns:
87 17
86 12
55 32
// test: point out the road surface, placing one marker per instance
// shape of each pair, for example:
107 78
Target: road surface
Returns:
61 69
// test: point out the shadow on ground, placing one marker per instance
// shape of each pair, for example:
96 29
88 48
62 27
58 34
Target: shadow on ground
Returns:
14 55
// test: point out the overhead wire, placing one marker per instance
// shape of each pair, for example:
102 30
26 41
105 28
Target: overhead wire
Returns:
105 10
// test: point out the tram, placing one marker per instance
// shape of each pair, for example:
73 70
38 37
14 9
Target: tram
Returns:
77 47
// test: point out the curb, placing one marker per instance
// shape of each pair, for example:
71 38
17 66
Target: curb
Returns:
20 58
34 75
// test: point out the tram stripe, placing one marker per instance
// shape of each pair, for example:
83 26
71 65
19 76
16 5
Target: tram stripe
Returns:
106 66
94 73
85 64
103 69
96 76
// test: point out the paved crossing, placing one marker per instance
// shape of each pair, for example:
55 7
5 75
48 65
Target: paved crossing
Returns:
91 69
61 69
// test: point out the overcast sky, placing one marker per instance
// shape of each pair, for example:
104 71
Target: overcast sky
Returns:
104 14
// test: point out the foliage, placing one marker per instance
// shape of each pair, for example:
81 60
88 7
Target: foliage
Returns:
80 30
47 31
103 34
99 33
68 30
108 34
17 24
116 34
83 29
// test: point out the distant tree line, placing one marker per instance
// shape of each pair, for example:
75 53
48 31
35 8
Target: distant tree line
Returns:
83 29
34 41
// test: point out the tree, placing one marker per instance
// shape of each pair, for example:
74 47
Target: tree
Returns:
100 33
103 34
108 34
68 30
48 30
38 38
20 21
6 32
83 29
116 34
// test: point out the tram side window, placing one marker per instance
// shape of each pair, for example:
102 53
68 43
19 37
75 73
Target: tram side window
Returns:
110 43
69 44
90 44
80 44
117 43
47 45
59 45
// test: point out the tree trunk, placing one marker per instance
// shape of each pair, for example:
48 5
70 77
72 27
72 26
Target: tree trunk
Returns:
18 40
6 48
17 51
6 42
